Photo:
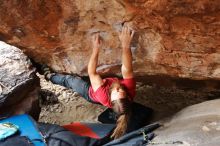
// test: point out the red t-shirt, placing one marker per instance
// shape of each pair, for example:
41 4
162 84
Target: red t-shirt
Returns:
101 95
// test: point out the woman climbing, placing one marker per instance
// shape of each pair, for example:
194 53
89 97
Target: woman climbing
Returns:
112 92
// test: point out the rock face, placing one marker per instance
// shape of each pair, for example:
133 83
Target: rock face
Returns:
195 125
178 38
19 84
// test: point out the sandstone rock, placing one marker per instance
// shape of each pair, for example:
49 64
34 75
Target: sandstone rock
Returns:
173 38
194 125
18 81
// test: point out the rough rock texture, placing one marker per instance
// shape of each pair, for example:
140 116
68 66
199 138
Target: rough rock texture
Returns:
197 125
179 38
19 84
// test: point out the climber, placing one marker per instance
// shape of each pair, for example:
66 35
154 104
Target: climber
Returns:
112 92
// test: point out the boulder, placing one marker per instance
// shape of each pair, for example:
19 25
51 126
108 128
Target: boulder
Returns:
173 38
196 125
19 84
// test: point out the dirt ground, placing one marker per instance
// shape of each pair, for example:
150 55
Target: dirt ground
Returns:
62 106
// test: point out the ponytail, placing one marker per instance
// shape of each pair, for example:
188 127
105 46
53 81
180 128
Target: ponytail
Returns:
122 108
121 127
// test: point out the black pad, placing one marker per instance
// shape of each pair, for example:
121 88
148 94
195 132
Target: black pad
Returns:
140 116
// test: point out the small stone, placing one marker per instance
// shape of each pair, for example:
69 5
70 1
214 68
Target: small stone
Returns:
56 106
213 123
205 128
64 95
72 98
60 111
75 94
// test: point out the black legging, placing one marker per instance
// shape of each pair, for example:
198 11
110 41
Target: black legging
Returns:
76 83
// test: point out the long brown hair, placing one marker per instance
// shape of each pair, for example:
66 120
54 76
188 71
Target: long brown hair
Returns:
122 108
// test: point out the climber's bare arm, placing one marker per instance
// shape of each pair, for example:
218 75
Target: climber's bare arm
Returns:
125 38
95 78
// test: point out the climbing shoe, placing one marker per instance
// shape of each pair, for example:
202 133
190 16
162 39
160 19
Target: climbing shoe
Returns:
47 72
